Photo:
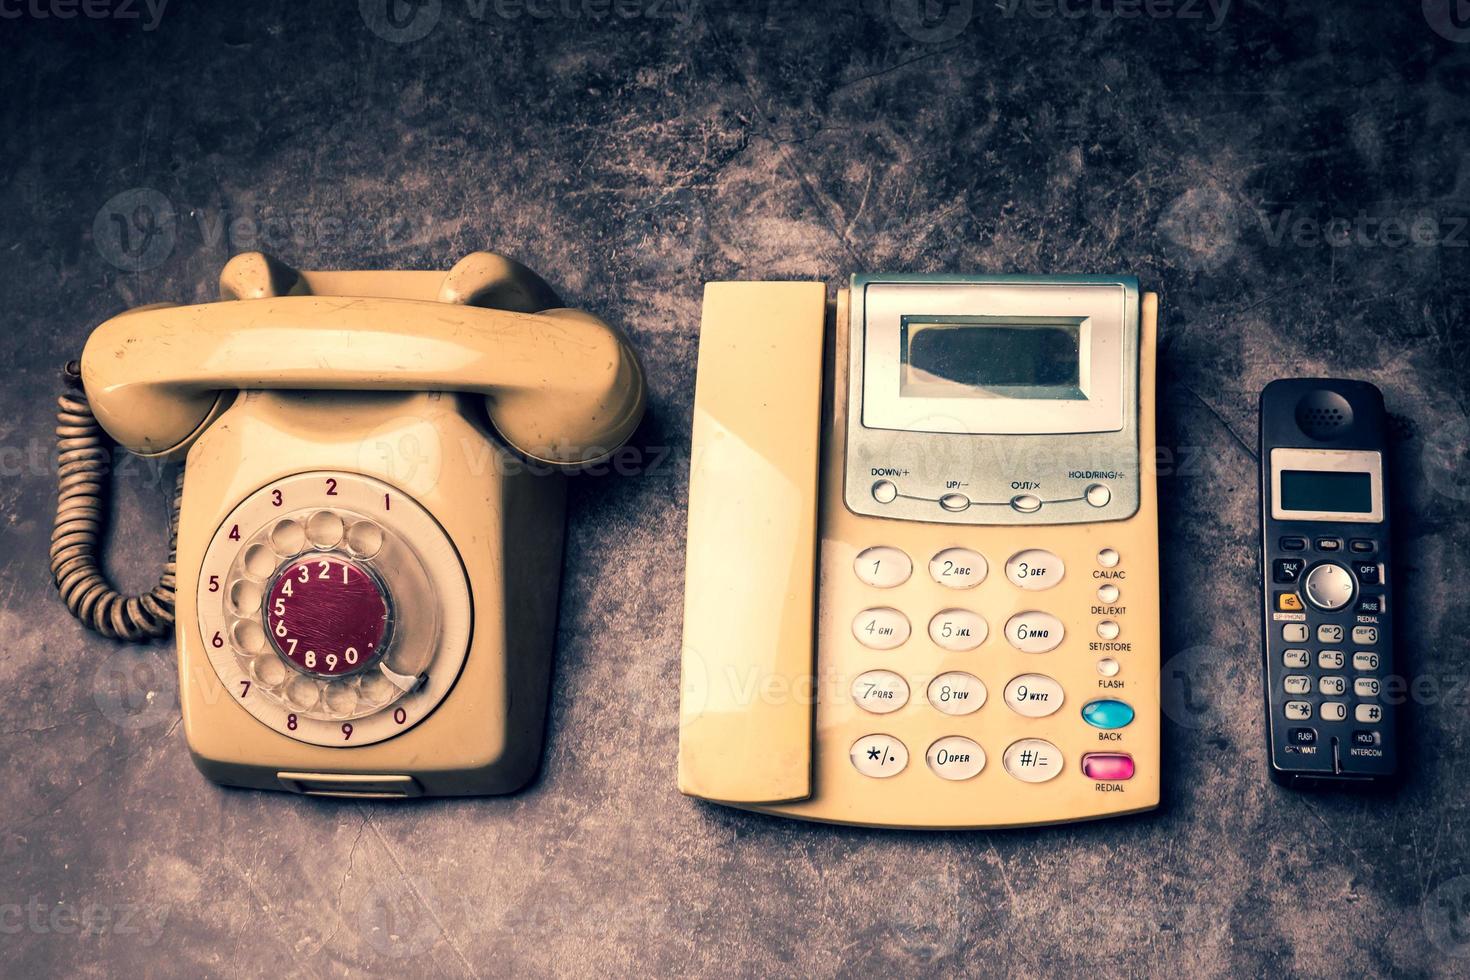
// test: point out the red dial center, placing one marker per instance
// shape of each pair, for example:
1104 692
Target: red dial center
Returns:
327 615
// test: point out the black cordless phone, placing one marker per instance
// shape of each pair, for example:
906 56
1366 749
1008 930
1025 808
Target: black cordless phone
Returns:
1326 568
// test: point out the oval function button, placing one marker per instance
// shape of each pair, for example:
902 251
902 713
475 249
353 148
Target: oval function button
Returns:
1328 586
957 693
882 567
1107 713
1108 667
881 628
1108 765
1034 632
1108 593
958 629
954 502
880 691
885 492
955 757
1035 569
1108 629
1026 503
1108 558
959 568
1032 760
1099 495
879 756
1034 695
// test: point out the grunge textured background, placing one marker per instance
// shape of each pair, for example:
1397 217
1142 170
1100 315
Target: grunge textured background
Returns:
1293 179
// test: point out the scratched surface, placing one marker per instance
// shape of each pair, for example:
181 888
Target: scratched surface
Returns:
1294 184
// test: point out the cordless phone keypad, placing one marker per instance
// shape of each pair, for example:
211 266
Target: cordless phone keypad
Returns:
959 628
1326 648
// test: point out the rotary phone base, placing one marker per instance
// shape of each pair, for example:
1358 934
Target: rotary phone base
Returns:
370 527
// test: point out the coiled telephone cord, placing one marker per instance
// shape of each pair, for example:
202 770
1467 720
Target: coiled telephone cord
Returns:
84 454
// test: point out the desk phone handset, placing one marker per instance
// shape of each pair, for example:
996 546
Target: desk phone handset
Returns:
922 574
366 577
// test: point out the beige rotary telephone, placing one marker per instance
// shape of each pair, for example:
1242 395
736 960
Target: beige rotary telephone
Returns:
366 578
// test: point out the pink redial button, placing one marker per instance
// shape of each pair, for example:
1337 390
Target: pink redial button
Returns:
1108 765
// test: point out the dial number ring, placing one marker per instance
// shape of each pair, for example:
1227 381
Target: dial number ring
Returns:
353 522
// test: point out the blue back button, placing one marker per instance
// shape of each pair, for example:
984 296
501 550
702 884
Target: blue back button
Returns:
1107 713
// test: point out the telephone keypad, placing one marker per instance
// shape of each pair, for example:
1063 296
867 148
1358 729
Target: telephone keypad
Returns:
962 629
1294 658
1333 711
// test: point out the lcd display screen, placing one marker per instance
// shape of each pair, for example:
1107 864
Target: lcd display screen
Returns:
1326 491
974 357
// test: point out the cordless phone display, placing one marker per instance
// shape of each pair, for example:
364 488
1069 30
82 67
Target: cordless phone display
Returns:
1326 569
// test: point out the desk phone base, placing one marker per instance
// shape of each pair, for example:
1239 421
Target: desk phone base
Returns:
965 673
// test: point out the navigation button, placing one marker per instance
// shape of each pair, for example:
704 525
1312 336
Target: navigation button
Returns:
1328 586
885 492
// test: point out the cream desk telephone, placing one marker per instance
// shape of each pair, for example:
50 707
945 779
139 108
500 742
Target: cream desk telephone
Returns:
366 576
922 570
